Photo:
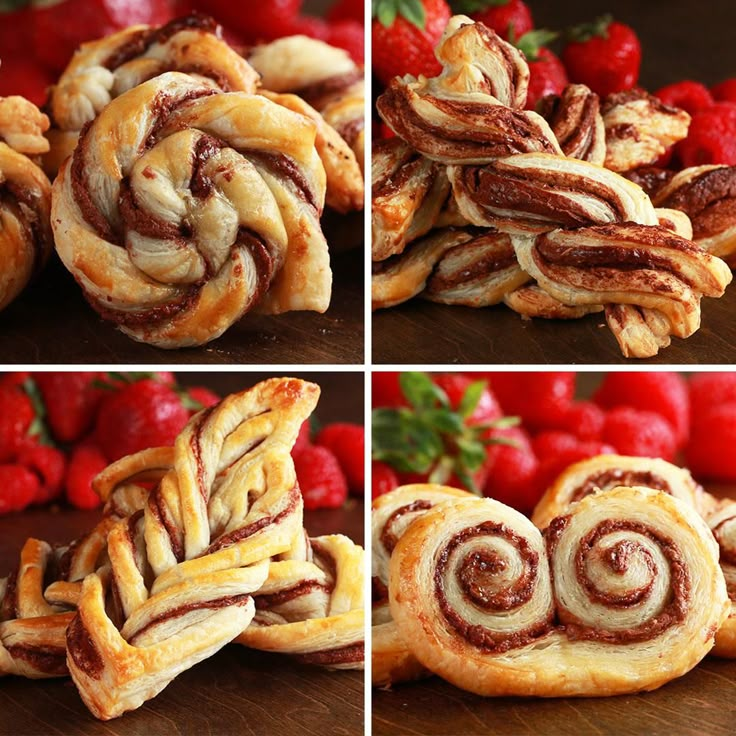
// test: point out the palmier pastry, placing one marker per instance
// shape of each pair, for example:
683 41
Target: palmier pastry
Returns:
192 559
621 595
639 129
25 196
312 608
183 208
102 70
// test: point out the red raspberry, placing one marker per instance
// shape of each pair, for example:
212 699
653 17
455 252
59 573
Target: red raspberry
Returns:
725 91
708 390
200 397
262 20
301 25
540 399
49 464
141 415
348 35
637 432
347 442
386 390
661 392
86 462
383 478
511 477
347 10
710 452
456 384
547 76
18 487
16 417
711 137
321 479
385 132
665 159
552 466
552 443
583 419
303 439
687 95
511 18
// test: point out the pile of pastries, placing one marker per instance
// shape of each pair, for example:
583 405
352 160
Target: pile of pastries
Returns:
189 179
201 544
477 201
614 586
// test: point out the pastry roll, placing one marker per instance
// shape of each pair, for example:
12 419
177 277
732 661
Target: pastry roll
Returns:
722 522
621 595
531 301
25 197
102 70
183 208
192 559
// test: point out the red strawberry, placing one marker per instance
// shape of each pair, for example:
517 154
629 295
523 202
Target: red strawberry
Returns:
687 95
641 433
347 10
14 379
18 487
49 464
141 415
321 479
512 470
547 76
348 35
16 417
303 439
383 478
386 389
197 398
605 55
455 385
259 21
23 76
711 138
304 25
405 33
85 463
509 18
347 442
725 91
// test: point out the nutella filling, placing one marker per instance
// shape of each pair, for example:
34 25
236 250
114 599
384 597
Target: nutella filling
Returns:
305 587
343 655
607 479
389 539
49 660
83 650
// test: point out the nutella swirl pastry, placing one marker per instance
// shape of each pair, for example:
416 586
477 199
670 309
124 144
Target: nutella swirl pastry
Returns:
408 192
707 194
575 119
196 554
102 70
603 472
312 608
182 209
25 197
532 301
722 522
622 595
639 129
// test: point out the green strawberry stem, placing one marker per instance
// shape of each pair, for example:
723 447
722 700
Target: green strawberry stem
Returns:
38 425
585 31
532 41
472 6
387 10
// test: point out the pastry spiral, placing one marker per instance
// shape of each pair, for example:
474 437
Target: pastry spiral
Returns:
183 208
622 594
25 197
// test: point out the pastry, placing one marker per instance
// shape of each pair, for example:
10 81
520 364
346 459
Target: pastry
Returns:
621 595
25 196
183 208
197 552
532 301
722 522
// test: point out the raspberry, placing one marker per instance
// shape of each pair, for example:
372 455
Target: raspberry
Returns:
303 439
708 390
49 464
554 465
711 138
710 452
347 10
200 397
725 91
263 20
386 390
18 487
383 478
553 442
583 419
637 432
661 392
538 398
687 95
456 384
348 35
512 475
321 479
16 416
347 442
85 463
301 25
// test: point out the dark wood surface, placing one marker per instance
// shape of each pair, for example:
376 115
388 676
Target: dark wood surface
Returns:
680 39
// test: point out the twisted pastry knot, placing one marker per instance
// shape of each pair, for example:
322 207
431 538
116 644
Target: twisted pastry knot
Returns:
104 69
311 606
622 594
36 599
182 209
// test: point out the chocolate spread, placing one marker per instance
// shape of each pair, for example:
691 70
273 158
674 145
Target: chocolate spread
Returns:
389 540
342 655
305 587
49 660
83 650
618 477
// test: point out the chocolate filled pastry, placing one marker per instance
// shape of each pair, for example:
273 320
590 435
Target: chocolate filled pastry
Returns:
311 605
102 70
722 522
620 595
391 516
183 208
25 196
531 301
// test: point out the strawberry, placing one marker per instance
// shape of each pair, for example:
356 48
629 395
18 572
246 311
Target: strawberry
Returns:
303 439
304 25
347 10
49 464
18 487
404 35
23 76
260 21
509 18
386 389
347 442
197 398
17 417
547 76
141 415
14 378
321 480
605 55
383 478
725 91
348 35
512 476
85 463
455 385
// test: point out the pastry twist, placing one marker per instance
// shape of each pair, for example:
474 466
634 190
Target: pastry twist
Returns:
25 197
182 208
622 594
197 552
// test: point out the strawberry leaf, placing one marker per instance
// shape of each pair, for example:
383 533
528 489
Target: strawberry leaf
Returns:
38 427
585 31
532 41
8 6
411 10
420 391
470 398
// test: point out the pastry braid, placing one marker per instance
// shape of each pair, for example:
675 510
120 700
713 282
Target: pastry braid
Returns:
25 196
183 208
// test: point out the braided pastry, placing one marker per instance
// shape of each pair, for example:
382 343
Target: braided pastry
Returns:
532 301
622 594
182 208
25 196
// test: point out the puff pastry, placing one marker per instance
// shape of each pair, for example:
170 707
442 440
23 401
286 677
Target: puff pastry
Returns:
183 208
621 595
102 70
25 196
531 301
722 522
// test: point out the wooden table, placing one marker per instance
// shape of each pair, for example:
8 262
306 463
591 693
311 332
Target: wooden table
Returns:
680 40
